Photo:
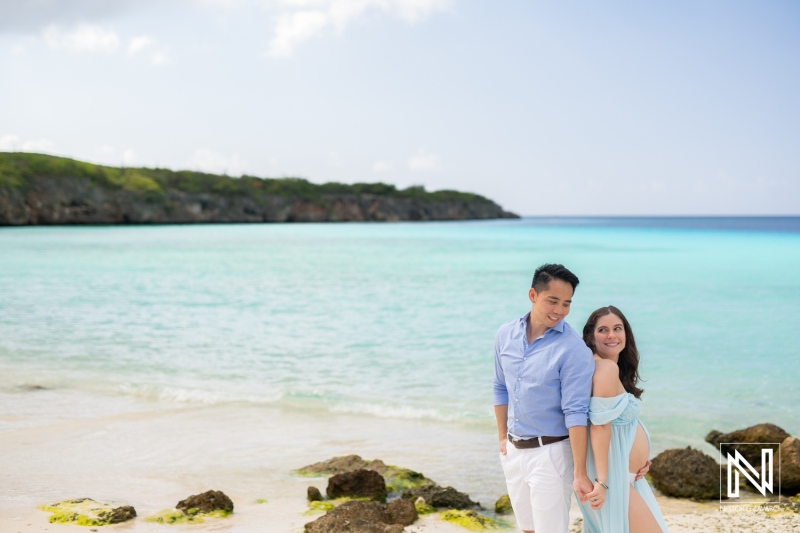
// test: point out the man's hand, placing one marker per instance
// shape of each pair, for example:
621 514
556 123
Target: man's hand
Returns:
597 497
582 487
503 444
643 470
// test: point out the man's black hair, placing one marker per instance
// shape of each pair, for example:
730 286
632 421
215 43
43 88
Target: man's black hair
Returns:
550 271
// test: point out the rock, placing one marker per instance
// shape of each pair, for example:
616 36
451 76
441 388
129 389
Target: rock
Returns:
421 506
686 473
361 517
761 433
790 466
340 465
469 520
402 512
400 479
503 505
121 514
87 512
358 484
314 495
441 497
208 502
397 479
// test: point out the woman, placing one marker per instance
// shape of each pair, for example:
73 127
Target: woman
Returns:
619 444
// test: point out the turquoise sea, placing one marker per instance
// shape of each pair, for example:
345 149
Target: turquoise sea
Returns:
398 320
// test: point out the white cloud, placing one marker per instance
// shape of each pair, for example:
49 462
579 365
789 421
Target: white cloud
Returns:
147 45
128 157
9 143
139 43
12 142
85 38
18 50
38 145
209 161
161 58
302 19
382 166
295 28
424 162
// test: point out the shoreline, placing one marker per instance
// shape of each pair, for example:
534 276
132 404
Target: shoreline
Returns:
157 455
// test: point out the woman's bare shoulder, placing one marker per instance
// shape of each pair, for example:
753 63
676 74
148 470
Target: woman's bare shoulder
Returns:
605 381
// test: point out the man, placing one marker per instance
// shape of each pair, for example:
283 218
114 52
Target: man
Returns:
542 385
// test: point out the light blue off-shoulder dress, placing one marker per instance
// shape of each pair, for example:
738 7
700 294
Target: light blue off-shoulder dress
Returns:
623 413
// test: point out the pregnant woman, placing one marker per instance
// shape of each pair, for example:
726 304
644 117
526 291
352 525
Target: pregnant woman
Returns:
619 443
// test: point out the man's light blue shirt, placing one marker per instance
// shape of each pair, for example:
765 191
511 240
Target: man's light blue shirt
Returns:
547 383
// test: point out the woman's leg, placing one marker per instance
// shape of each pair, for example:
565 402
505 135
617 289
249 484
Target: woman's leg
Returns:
640 518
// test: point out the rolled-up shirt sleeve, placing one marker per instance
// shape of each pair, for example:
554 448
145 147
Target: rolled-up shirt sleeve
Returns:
500 391
576 386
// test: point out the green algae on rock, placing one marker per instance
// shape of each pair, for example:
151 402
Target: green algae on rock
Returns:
87 512
191 516
194 509
321 506
422 506
397 478
503 505
469 520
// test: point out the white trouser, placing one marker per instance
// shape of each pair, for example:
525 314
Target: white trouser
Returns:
540 485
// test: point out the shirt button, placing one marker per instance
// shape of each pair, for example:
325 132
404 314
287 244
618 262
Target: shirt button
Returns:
519 379
516 400
524 358
516 420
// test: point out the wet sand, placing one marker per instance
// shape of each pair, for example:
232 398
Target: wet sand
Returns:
151 456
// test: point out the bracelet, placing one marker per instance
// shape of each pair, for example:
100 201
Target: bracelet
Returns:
601 483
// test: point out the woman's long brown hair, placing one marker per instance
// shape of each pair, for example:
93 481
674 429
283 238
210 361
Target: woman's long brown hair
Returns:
628 358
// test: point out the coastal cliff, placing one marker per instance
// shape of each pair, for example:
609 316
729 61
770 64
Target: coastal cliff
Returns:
37 189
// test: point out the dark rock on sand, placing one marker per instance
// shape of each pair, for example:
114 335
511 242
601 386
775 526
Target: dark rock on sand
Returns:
503 505
358 484
402 512
121 514
758 434
441 497
208 502
340 465
686 473
362 517
790 466
314 495
397 479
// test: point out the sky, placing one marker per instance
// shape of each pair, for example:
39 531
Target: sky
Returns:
547 107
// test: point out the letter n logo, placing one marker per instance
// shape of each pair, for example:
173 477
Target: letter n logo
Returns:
761 481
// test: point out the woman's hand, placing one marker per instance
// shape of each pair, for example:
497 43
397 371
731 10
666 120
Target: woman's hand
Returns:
597 497
643 470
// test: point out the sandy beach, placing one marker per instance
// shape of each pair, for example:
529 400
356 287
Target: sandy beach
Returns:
151 456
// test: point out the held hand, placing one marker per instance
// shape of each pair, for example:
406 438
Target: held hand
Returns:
582 487
597 497
642 471
503 444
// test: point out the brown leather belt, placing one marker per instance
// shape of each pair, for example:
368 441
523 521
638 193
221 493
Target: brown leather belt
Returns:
535 442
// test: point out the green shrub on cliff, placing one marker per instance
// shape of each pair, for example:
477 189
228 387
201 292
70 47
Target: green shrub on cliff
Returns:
19 169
